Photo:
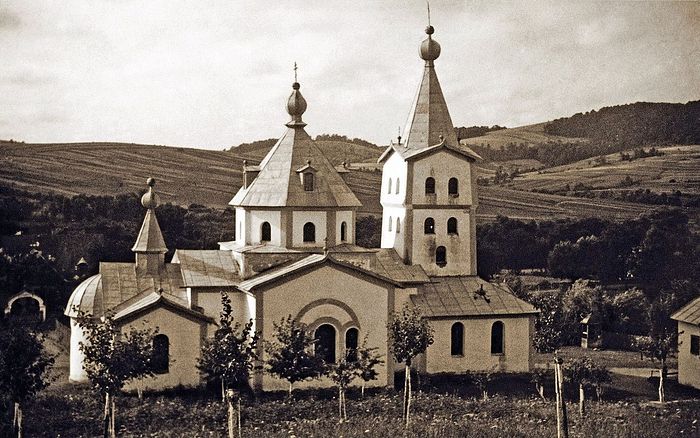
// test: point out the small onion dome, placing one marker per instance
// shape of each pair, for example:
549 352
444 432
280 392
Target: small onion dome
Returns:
429 48
296 104
150 199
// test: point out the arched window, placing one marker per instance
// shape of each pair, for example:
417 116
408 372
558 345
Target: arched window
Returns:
398 225
452 225
398 185
429 226
453 187
309 232
498 338
351 337
389 191
160 361
308 182
457 336
390 221
343 232
325 342
430 185
441 256
265 232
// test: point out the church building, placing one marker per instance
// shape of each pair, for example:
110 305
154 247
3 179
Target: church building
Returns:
295 254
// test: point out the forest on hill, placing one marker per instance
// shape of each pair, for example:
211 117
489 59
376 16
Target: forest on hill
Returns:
608 130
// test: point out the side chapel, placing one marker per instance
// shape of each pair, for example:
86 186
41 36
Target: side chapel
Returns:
295 254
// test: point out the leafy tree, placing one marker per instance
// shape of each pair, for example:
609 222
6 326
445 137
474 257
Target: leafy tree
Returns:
578 372
24 369
290 355
342 373
410 335
540 376
229 356
662 342
550 327
367 360
111 359
482 379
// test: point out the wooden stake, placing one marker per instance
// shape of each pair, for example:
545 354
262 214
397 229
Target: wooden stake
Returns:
562 421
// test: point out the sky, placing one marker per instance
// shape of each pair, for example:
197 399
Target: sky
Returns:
212 74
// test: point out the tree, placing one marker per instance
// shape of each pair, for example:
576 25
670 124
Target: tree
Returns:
539 376
342 372
410 335
578 372
290 355
111 359
662 342
229 356
367 359
24 369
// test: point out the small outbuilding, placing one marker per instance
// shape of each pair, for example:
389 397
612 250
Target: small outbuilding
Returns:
688 318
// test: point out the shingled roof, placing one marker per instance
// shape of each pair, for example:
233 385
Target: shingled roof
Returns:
690 313
279 184
468 296
429 125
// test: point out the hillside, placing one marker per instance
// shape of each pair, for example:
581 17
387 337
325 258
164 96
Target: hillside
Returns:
211 178
675 170
530 135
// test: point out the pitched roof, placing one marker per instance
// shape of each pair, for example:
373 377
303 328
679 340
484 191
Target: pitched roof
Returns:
303 264
689 313
385 262
429 125
279 185
207 268
117 283
148 300
464 296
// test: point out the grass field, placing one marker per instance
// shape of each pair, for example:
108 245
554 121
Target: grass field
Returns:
440 409
211 178
677 169
528 135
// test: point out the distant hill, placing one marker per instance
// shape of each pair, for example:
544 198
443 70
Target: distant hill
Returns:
585 135
211 178
337 148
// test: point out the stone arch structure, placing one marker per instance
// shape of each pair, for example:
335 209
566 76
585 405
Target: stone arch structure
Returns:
29 295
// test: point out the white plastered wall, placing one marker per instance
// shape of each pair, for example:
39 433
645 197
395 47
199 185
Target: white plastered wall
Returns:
442 166
299 218
349 218
395 168
688 364
76 371
254 225
241 226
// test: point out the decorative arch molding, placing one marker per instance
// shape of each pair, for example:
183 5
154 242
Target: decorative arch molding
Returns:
354 321
25 294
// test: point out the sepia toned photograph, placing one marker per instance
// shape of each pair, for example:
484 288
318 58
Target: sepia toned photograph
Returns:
230 218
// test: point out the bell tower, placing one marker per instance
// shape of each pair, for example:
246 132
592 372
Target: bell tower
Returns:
428 190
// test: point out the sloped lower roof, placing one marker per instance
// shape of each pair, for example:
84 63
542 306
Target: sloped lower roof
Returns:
460 296
117 283
207 268
385 262
278 184
689 313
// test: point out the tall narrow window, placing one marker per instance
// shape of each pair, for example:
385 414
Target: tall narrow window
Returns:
265 232
351 337
453 187
398 225
429 226
441 256
497 338
160 360
309 232
325 342
343 232
695 345
430 185
308 181
390 222
452 225
389 191
457 337
398 185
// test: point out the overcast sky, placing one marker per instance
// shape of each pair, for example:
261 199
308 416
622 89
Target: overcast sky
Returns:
214 74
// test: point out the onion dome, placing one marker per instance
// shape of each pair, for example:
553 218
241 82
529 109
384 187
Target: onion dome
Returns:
296 106
150 199
429 48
